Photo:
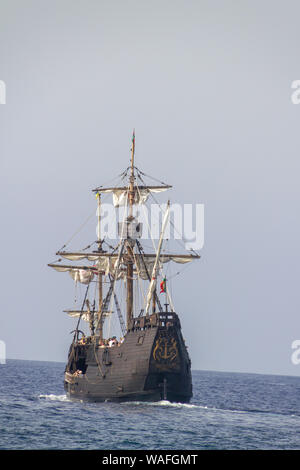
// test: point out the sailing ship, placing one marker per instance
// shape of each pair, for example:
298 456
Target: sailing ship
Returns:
147 359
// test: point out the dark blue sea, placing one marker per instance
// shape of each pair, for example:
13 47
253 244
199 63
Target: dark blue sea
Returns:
228 411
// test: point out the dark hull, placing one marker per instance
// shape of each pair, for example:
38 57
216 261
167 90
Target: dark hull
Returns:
152 364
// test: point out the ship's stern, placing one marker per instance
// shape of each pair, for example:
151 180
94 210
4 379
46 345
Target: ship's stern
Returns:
170 364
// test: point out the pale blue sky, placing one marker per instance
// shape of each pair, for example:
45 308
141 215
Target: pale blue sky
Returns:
207 85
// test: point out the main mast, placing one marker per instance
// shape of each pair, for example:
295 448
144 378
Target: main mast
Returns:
129 242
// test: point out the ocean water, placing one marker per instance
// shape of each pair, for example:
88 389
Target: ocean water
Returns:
228 411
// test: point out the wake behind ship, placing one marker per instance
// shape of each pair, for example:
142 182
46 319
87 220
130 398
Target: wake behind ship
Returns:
144 356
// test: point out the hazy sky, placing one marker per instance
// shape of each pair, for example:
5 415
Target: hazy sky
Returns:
207 86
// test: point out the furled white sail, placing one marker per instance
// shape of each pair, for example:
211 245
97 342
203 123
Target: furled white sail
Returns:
106 263
77 313
140 196
102 258
80 256
85 315
81 275
145 265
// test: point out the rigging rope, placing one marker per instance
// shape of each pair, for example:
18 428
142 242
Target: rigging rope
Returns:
148 176
146 218
116 266
171 223
89 218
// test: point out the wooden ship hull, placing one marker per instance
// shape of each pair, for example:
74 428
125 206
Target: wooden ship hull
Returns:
151 364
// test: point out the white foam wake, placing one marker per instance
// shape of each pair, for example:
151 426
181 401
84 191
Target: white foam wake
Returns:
163 403
168 404
53 397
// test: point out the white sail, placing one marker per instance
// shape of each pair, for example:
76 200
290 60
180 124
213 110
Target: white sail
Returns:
83 276
85 315
101 258
120 195
86 274
80 256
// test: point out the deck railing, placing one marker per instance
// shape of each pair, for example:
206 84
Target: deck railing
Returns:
163 319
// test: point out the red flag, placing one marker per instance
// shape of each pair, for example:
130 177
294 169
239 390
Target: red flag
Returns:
163 286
